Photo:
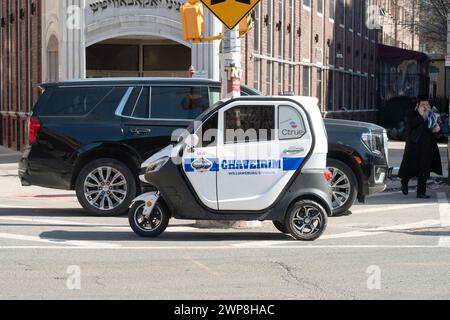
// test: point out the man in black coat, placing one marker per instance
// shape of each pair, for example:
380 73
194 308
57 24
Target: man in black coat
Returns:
421 152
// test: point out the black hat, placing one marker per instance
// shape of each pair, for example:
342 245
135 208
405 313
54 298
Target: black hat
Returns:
423 97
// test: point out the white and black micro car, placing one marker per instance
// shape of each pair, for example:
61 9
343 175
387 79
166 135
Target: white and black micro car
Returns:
252 158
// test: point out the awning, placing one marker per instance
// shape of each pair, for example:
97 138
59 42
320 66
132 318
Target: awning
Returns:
397 54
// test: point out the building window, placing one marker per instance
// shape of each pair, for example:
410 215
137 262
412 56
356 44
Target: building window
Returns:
307 3
341 12
293 28
351 20
330 90
319 86
269 78
291 79
281 32
306 81
320 6
332 9
280 78
257 74
257 28
341 90
270 28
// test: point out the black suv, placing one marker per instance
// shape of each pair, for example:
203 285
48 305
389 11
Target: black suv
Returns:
92 136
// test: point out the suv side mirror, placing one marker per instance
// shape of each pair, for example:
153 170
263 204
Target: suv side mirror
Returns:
192 140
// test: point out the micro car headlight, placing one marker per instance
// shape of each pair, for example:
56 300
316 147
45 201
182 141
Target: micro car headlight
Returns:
374 142
155 166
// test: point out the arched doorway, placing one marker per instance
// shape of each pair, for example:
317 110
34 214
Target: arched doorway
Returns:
138 56
53 59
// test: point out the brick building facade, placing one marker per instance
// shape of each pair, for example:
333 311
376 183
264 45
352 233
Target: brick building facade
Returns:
321 48
20 67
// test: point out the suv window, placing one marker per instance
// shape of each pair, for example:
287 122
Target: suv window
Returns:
249 124
77 101
138 104
184 103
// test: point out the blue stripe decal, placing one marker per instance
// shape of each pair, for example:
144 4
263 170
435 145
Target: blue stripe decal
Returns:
213 165
292 164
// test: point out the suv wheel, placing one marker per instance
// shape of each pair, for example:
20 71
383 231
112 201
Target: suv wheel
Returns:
344 186
106 187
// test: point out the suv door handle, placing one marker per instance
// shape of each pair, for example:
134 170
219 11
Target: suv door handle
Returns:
294 150
140 131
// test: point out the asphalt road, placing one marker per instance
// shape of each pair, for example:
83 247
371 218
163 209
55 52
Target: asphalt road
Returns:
392 247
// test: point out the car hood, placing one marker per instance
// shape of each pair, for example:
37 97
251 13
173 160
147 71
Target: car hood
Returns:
354 126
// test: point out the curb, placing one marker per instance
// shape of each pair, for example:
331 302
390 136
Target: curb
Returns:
239 225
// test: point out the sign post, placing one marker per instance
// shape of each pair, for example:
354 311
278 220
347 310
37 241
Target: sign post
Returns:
231 62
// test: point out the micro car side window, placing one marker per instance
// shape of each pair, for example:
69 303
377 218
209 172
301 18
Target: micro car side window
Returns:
291 124
249 124
179 102
138 104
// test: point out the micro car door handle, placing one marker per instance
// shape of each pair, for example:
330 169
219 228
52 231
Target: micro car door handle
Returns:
140 131
294 150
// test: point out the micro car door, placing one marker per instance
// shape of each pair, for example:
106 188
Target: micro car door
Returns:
261 145
200 163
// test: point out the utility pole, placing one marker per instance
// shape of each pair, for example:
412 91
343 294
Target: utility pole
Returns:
231 64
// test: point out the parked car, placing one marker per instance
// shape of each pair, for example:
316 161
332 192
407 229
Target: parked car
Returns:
92 136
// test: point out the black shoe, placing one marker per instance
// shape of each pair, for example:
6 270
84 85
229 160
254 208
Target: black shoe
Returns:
405 189
423 196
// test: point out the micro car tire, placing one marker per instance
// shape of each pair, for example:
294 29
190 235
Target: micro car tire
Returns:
280 227
150 227
106 187
306 220
344 186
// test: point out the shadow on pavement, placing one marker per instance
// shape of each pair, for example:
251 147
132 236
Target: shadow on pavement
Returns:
167 236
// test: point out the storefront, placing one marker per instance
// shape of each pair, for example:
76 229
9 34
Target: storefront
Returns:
118 38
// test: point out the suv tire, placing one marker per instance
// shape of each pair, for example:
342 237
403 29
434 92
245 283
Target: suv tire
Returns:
344 186
106 187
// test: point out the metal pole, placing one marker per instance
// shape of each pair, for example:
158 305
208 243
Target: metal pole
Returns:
231 64
447 94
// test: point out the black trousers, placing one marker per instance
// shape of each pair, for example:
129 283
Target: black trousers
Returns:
421 184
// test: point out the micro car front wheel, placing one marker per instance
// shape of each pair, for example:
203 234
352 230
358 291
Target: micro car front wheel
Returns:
149 224
306 220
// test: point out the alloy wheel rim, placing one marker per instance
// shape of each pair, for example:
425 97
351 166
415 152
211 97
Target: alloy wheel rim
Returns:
105 188
340 186
148 223
308 221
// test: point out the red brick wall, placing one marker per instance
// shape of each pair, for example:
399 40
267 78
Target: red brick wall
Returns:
20 60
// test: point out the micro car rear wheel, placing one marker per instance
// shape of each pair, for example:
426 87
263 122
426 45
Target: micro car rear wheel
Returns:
149 225
306 220
280 227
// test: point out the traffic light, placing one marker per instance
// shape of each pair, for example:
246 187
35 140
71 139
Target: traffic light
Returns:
193 20
245 26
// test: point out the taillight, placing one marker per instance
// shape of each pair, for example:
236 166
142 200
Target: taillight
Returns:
328 176
34 126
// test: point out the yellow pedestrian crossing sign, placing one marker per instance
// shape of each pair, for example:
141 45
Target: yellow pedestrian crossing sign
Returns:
230 12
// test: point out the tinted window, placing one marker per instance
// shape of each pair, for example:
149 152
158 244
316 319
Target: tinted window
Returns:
291 124
178 102
73 101
208 131
137 105
249 123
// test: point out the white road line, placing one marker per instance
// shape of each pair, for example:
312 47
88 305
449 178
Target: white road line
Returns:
199 248
367 209
444 212
86 244
95 225
17 207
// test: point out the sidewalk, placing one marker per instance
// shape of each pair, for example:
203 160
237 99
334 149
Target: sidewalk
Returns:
8 161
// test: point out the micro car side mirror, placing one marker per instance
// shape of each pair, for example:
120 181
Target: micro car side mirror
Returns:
192 141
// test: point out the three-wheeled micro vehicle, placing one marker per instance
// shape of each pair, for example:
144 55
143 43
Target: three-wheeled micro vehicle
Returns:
245 159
